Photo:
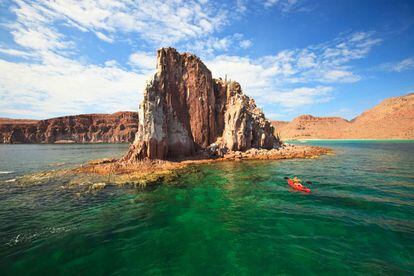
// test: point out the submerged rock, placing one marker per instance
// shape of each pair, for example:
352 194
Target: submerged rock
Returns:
186 112
98 186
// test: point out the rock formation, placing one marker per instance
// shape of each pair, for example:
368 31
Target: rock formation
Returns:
186 112
391 119
119 127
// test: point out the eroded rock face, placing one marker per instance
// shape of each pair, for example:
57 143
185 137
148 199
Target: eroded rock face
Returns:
185 111
119 127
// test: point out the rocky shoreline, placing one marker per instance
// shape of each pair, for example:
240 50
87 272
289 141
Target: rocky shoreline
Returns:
99 174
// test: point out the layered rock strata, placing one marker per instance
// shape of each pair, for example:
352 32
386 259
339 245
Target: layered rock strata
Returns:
119 127
186 112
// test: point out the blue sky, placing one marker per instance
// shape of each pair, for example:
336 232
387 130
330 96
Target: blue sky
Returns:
326 58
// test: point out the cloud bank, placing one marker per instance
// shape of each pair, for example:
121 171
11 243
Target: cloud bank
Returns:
45 73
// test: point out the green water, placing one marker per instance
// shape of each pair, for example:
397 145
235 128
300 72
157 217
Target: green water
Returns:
225 218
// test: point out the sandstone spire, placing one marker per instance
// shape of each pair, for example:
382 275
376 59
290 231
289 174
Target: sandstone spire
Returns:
185 112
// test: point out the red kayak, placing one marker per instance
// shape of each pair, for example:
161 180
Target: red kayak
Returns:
298 187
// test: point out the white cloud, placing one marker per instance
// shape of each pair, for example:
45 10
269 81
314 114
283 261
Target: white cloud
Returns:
30 28
13 52
403 65
67 87
162 22
270 3
50 82
301 96
38 38
400 66
240 6
209 46
346 48
246 43
283 5
53 82
104 37
300 76
306 59
266 84
111 63
254 76
340 76
143 61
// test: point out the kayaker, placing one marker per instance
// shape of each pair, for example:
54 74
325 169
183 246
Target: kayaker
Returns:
295 184
296 180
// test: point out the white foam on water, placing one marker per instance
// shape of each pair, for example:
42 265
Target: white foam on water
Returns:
46 232
10 180
6 172
21 238
57 164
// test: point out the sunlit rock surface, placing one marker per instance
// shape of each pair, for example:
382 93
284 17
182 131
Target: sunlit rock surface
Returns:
186 112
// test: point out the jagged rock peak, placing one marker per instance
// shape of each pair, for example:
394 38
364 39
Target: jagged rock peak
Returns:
186 112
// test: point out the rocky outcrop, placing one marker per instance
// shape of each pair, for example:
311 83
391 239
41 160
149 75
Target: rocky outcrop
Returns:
119 127
186 112
391 119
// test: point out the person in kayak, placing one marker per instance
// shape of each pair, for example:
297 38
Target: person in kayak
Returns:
297 181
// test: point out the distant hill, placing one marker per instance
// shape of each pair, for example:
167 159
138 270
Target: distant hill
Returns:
393 118
119 127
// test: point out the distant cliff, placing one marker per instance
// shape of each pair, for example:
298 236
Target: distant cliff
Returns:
391 119
119 127
185 111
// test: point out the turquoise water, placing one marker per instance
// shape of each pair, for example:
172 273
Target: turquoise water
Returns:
17 160
236 218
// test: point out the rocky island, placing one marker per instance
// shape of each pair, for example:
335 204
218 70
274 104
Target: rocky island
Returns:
185 118
186 112
188 117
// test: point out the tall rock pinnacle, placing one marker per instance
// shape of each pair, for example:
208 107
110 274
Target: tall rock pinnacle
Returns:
185 112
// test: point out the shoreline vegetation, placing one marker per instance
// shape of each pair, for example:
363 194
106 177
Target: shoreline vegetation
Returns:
97 174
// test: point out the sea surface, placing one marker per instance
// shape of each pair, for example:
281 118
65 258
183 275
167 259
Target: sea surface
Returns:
233 218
